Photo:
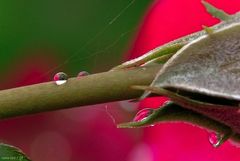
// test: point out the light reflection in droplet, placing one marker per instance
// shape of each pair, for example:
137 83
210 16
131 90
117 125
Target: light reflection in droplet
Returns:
214 139
60 78
143 114
82 74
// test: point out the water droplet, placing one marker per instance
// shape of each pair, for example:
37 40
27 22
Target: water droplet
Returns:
82 73
60 78
143 114
215 139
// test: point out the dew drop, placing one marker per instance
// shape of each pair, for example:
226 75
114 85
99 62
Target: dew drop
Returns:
82 73
60 78
215 139
143 114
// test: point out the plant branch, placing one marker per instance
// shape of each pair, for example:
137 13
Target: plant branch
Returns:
87 90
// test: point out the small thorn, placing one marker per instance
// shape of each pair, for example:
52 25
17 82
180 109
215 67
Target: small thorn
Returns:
208 30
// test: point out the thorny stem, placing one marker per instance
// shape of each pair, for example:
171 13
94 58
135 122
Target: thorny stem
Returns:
88 90
93 89
108 86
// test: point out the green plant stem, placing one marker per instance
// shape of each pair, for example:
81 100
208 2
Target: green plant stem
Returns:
88 90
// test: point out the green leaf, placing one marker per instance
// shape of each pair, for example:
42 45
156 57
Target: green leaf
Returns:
165 50
203 77
173 112
209 66
11 153
182 99
192 38
215 12
159 60
174 46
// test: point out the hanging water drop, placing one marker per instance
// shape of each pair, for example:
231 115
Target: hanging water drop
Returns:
214 139
82 73
217 139
60 78
143 114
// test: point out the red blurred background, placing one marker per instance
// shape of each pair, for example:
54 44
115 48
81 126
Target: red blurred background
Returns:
90 133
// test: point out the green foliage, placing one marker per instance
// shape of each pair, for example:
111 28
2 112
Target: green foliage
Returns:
173 46
215 12
206 67
153 55
173 112
186 41
201 79
10 153
77 33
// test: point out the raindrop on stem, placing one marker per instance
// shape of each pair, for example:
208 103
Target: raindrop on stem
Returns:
82 73
60 78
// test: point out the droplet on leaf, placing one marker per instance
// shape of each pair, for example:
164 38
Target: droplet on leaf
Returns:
82 73
215 139
60 78
143 114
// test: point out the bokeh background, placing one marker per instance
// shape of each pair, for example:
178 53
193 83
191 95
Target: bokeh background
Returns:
40 38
